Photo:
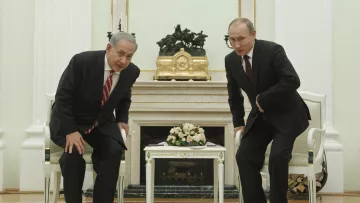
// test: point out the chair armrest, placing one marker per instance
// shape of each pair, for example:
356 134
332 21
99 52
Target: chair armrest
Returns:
123 134
311 142
47 141
237 138
47 137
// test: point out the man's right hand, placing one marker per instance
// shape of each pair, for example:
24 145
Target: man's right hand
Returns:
76 139
241 128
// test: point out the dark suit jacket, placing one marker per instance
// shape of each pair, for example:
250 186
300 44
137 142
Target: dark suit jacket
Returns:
78 98
275 81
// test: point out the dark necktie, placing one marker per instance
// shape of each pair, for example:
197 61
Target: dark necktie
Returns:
248 68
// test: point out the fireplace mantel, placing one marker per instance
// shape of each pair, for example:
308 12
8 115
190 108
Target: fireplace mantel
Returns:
164 103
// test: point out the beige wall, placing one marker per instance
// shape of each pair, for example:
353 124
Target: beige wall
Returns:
346 85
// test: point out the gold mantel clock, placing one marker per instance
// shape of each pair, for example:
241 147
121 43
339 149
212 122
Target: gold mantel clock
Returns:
182 56
182 66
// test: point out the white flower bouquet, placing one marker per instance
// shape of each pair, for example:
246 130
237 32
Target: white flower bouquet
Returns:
186 134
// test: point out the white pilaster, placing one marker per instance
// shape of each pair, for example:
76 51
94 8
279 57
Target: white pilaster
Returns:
307 40
62 29
2 147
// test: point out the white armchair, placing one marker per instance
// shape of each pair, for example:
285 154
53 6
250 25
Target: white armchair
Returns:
51 165
308 152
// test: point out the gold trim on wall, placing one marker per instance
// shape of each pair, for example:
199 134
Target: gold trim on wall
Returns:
239 7
112 15
239 10
239 13
127 12
215 70
254 14
127 15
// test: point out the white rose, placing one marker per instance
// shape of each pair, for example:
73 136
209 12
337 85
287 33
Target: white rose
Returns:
177 130
183 139
196 138
192 132
186 127
172 131
189 139
201 130
202 137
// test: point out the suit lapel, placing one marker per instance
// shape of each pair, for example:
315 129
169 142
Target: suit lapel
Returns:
239 73
255 64
99 75
238 67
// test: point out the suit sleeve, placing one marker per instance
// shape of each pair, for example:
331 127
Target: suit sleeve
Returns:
65 94
236 99
288 80
122 110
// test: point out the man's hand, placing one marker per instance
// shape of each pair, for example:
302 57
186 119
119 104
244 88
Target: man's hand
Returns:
76 139
241 128
125 127
258 105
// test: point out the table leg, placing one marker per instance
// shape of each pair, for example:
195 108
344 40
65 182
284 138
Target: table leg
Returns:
221 181
216 181
153 181
148 181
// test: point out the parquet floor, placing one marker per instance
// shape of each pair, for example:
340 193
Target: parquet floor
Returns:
38 198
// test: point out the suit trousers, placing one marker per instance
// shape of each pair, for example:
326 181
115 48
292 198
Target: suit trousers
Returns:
106 159
250 159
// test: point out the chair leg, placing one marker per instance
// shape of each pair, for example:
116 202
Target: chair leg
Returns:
312 183
312 190
47 187
240 191
56 189
121 189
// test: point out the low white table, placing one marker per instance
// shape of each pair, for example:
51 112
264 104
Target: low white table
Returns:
164 152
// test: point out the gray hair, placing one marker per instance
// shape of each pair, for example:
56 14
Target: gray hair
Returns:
248 23
116 37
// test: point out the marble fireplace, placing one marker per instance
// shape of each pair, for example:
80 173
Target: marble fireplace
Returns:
159 105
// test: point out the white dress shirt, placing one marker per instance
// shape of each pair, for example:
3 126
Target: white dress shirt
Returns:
250 54
115 77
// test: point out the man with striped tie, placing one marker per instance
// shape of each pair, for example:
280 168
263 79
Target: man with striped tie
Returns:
91 105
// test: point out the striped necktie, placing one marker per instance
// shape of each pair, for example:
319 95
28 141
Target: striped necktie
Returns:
105 94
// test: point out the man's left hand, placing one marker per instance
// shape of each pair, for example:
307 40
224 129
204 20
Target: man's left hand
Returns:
258 105
125 127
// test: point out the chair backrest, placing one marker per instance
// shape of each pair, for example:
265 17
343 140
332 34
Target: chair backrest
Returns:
53 147
316 105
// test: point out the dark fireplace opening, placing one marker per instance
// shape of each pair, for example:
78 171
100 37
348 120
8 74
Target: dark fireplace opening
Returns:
178 171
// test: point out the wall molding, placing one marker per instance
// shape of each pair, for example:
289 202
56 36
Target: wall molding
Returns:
35 137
